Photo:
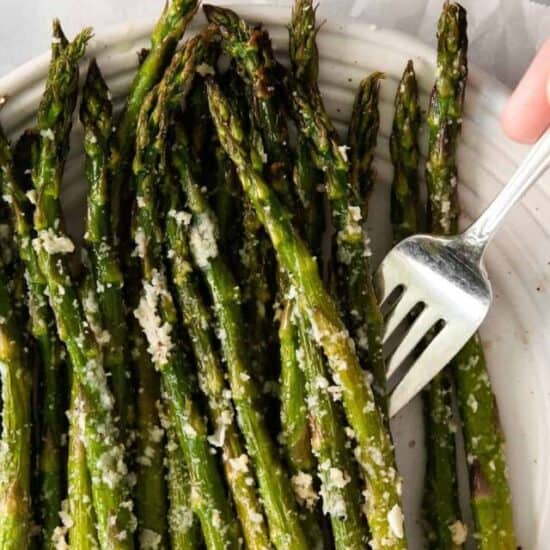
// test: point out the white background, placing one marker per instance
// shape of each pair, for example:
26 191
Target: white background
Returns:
504 34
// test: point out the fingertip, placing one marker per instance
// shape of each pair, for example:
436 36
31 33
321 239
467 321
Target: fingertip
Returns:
527 113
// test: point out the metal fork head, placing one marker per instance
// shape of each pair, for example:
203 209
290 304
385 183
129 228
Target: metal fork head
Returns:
447 280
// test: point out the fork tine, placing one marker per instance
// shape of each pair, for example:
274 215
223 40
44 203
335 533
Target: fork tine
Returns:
403 307
426 320
432 360
385 280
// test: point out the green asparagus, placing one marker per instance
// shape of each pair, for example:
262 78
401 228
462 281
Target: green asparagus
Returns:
157 315
441 499
51 351
182 524
104 453
341 501
484 443
352 241
405 157
15 441
362 136
275 488
295 422
164 39
150 492
483 439
270 136
96 117
374 450
198 323
304 54
250 49
151 487
80 517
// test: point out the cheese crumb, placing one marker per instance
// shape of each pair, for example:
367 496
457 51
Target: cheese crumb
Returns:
47 134
333 480
395 520
204 69
32 196
302 483
203 240
256 517
472 403
53 243
239 464
149 540
344 151
459 532
158 333
141 243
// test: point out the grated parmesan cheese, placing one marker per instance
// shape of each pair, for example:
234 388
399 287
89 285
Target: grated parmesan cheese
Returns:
47 134
459 532
344 151
52 243
158 333
141 243
302 483
203 240
239 464
149 540
395 521
204 69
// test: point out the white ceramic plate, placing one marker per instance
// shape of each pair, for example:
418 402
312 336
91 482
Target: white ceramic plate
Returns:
518 261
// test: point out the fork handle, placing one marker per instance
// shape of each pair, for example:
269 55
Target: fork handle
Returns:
478 235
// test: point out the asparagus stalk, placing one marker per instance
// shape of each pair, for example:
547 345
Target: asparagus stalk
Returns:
405 157
364 315
441 492
80 521
164 39
251 50
157 315
274 485
184 529
227 198
226 205
341 501
96 117
150 493
483 438
374 449
405 222
104 454
82 530
304 54
270 137
352 241
295 420
294 416
151 487
362 135
484 443
443 118
197 321
52 424
15 441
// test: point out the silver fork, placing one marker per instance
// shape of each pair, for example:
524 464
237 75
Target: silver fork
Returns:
445 276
